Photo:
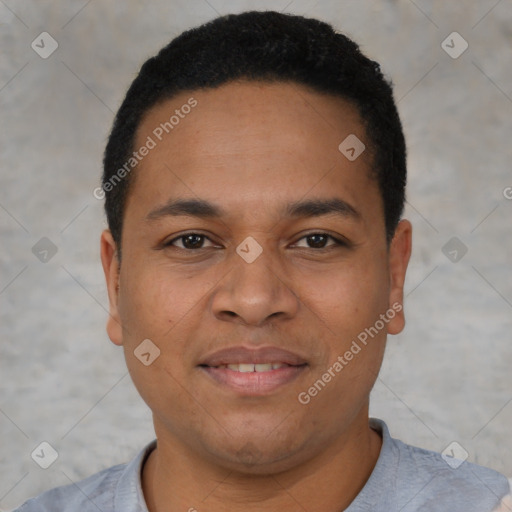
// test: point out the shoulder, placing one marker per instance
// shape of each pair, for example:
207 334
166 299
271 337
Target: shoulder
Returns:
412 479
428 480
115 488
94 493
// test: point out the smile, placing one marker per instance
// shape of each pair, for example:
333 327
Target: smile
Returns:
253 379
251 367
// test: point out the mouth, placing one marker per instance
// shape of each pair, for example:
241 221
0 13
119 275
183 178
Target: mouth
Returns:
252 367
250 372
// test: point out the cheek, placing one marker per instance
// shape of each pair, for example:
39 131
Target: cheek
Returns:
148 304
351 297
153 307
350 306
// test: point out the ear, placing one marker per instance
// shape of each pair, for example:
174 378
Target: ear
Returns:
399 254
110 262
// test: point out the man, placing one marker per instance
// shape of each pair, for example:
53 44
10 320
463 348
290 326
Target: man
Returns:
255 262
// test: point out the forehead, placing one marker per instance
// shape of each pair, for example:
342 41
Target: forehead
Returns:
248 142
244 113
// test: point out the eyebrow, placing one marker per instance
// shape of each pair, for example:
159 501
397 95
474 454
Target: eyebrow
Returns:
306 209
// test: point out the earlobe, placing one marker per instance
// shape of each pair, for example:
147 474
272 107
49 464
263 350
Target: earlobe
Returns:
110 263
399 254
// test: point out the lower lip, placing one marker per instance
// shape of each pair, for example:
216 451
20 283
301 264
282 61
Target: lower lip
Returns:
254 383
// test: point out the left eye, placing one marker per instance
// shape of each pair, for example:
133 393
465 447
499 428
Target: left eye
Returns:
318 240
193 241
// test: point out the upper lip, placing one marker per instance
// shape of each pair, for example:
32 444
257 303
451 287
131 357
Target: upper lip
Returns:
240 354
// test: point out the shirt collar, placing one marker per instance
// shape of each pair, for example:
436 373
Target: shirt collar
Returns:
129 496
372 496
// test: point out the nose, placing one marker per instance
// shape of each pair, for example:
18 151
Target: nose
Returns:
253 292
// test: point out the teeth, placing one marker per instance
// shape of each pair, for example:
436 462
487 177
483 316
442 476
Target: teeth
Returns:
250 367
265 367
245 368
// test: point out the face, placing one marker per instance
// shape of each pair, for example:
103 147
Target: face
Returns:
284 267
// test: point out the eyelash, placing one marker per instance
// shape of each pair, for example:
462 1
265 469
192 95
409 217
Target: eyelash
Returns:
337 241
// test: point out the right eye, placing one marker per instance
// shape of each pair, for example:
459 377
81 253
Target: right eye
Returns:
189 241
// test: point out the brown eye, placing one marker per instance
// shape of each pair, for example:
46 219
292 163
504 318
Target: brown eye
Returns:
189 241
319 241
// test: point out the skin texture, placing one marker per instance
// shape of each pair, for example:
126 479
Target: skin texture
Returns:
252 148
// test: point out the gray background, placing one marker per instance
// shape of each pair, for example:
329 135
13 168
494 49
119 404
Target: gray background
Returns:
446 377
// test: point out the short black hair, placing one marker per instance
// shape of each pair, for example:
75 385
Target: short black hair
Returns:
263 46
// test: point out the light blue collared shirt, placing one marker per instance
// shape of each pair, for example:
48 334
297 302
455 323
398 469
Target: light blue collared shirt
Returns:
405 479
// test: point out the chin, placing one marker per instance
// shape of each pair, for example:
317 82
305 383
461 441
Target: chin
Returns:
257 457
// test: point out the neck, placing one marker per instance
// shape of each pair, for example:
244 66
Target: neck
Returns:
174 479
